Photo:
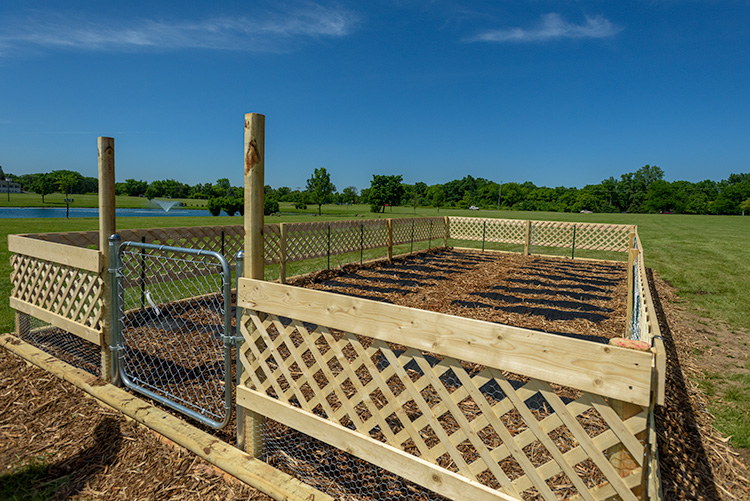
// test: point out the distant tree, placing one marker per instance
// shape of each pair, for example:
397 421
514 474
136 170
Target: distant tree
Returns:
2 174
44 184
222 188
66 180
132 188
437 195
745 206
320 187
232 205
385 190
270 206
349 195
215 205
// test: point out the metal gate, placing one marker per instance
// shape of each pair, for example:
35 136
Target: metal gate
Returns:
172 337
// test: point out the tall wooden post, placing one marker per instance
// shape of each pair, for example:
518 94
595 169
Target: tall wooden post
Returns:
618 455
255 127
106 152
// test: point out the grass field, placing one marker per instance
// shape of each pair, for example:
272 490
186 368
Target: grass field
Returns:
706 257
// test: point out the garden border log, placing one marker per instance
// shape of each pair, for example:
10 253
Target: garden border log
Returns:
231 460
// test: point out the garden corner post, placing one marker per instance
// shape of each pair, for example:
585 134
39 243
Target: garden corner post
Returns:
255 125
106 151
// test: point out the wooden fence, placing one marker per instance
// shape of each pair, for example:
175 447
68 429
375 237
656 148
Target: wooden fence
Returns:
586 236
465 408
405 389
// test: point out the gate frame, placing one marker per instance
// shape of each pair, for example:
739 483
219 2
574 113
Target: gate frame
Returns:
118 344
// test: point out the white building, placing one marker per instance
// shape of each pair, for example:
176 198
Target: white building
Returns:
10 186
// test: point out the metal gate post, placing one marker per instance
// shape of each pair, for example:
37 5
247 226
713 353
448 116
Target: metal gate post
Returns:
115 306
239 260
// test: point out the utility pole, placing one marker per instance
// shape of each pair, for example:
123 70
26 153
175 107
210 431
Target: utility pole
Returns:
499 194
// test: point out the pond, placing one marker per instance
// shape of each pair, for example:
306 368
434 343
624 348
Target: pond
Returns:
43 212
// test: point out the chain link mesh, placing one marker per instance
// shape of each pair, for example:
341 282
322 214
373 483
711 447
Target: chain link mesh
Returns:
61 344
171 325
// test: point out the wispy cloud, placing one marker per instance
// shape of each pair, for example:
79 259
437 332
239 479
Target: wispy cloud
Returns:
277 32
551 27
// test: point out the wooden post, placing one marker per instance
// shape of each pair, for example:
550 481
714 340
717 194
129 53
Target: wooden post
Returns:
255 126
282 252
107 226
527 238
390 240
447 232
618 455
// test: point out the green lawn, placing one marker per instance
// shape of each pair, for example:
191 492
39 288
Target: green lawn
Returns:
706 257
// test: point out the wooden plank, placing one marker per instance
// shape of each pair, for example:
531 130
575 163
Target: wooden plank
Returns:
68 255
80 330
280 486
412 468
588 445
602 369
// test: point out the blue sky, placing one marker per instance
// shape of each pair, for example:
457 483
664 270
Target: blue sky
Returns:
553 92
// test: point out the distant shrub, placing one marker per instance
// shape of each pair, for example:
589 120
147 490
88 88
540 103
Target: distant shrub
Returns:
215 205
270 206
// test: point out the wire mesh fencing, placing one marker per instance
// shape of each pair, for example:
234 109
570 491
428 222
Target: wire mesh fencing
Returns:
61 344
173 339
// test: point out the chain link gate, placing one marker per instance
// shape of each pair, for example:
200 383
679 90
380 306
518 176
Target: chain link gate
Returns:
171 317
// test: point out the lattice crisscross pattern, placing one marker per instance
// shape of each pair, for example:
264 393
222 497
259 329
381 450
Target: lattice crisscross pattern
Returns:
66 291
604 237
552 234
419 229
306 241
509 231
522 436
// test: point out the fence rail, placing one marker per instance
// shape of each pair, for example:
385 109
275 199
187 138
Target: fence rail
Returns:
343 364
421 393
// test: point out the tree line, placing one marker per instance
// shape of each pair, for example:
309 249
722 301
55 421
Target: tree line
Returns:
642 191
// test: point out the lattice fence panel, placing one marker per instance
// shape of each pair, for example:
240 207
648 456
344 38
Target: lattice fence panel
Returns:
524 437
66 291
552 234
603 237
271 242
87 239
506 231
306 241
419 229
226 240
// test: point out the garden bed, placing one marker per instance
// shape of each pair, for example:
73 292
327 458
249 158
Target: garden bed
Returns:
582 299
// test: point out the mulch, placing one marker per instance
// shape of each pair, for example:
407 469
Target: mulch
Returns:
88 451
94 452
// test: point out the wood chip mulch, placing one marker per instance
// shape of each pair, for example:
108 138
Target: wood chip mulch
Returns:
88 451
581 299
